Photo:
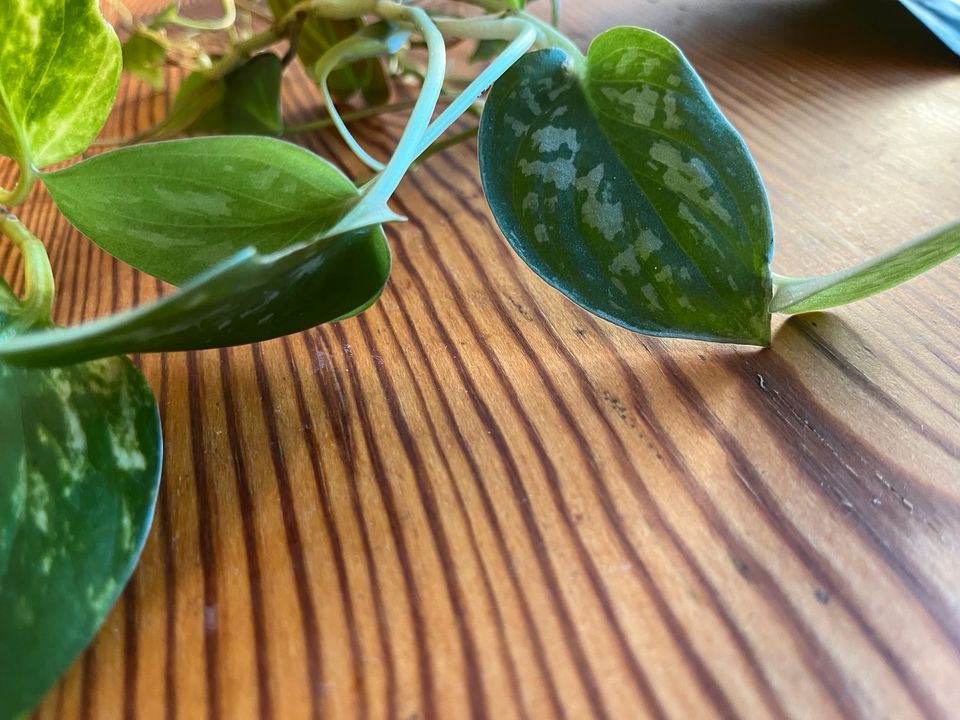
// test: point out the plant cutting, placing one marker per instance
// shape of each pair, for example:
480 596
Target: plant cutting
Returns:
612 173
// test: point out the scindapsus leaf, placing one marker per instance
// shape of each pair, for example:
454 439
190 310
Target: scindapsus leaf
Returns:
60 66
619 181
248 298
175 209
80 453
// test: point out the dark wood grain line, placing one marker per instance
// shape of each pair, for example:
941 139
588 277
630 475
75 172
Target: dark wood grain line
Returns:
328 384
483 410
336 546
88 676
755 488
310 628
707 681
542 456
500 627
388 502
637 484
131 653
455 592
168 559
251 554
860 380
205 528
837 436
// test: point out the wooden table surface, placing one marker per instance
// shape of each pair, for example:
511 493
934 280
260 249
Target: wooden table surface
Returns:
476 500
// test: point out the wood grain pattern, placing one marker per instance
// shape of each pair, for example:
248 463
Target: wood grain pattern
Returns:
475 500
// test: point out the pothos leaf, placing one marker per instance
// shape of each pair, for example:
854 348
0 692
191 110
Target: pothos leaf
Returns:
620 183
60 65
248 298
145 57
941 16
247 99
317 35
175 209
80 454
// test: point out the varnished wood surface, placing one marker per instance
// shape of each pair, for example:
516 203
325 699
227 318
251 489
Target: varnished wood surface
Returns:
475 500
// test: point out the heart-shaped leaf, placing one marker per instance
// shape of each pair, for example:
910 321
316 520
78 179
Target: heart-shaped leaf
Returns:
60 65
175 209
247 298
619 181
80 452
248 99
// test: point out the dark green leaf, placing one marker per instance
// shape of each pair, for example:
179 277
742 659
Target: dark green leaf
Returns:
145 57
620 183
175 209
80 453
320 34
60 65
248 99
798 295
248 298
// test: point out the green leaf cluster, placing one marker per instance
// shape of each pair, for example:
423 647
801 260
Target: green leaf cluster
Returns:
613 175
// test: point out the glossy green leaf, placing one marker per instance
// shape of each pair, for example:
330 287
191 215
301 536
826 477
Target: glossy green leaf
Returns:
248 298
80 454
60 65
618 180
145 58
320 34
248 99
798 295
175 209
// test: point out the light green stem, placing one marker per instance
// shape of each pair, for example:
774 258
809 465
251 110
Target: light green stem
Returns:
796 295
37 302
221 23
372 206
351 48
361 114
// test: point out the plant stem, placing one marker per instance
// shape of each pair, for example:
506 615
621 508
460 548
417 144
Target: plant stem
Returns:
374 196
361 114
37 303
524 35
353 48
20 191
221 23
556 39
446 144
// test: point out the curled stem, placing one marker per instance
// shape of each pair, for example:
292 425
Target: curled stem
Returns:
374 196
221 23
37 302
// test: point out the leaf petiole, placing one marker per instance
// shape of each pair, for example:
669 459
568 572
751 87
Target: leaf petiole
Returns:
798 295
37 302
374 196
523 35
